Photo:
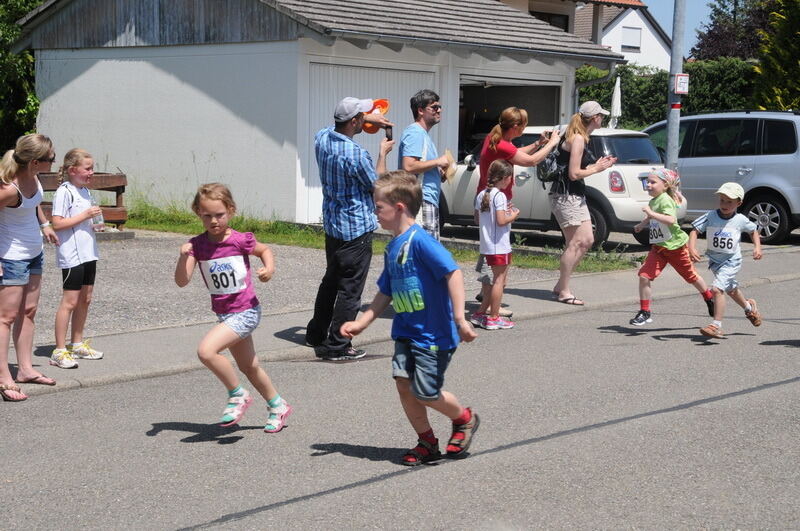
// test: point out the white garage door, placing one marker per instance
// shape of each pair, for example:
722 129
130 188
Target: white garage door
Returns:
331 83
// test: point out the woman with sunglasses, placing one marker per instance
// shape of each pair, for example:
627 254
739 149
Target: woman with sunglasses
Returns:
22 225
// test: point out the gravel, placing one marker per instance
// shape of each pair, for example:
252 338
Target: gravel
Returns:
135 289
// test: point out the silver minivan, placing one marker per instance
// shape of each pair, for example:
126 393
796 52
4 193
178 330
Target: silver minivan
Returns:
757 149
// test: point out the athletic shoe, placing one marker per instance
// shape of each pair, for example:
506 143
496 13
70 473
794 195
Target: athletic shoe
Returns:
478 319
84 351
710 305
753 315
712 330
350 353
498 324
277 418
641 318
235 409
62 358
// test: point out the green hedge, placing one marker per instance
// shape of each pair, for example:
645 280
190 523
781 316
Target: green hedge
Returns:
720 85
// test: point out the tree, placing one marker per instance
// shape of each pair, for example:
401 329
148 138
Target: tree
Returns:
734 29
778 71
18 103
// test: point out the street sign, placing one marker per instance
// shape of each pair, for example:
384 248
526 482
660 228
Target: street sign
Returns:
681 84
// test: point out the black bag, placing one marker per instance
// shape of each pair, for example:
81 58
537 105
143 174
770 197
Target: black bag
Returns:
551 168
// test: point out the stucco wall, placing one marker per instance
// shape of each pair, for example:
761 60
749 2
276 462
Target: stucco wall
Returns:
172 118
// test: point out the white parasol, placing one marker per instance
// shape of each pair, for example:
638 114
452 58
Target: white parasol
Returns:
616 105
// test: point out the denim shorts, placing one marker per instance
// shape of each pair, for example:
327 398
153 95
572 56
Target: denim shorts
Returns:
243 323
423 367
725 273
18 272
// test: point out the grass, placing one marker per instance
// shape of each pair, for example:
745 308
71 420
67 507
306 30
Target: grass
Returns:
143 215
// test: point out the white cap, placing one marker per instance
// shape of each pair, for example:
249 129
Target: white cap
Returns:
349 107
592 108
732 190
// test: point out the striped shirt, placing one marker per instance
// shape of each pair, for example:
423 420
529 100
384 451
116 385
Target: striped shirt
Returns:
347 175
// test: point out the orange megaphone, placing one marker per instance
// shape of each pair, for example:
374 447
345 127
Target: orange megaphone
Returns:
380 106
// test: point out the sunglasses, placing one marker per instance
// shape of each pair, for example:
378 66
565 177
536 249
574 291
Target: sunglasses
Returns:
48 161
435 107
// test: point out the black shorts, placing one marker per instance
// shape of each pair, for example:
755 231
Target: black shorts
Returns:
74 278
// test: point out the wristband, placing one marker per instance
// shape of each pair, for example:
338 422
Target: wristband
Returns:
44 225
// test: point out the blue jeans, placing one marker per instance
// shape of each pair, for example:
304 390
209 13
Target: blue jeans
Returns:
18 272
424 367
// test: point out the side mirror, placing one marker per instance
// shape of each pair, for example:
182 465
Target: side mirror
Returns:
469 160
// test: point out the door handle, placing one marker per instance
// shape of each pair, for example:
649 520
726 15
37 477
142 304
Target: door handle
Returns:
523 175
742 171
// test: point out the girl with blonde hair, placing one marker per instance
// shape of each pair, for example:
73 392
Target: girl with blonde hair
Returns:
22 228
568 194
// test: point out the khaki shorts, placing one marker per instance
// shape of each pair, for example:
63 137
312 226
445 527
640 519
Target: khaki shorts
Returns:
570 210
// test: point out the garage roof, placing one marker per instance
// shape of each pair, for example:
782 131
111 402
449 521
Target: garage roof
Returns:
473 23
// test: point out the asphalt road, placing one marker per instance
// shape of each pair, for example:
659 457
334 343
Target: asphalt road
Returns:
614 426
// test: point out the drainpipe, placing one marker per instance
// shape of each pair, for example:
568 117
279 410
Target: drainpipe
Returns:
578 86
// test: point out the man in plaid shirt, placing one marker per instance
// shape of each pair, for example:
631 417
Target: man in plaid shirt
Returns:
347 175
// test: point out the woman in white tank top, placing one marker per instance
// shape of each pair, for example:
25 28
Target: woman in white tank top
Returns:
22 227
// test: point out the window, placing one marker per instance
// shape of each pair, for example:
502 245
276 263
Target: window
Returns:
658 137
725 138
779 137
559 21
631 39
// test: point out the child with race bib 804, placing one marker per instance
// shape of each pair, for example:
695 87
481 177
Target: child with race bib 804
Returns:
73 212
223 256
668 242
723 228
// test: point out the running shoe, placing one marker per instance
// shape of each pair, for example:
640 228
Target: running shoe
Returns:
62 358
478 319
84 351
641 318
501 323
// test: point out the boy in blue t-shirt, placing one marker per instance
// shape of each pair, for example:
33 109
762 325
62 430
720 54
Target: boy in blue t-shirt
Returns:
723 228
425 286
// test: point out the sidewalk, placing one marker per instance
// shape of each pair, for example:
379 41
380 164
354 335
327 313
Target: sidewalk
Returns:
171 350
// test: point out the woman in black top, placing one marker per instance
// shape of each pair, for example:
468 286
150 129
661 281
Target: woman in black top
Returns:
568 194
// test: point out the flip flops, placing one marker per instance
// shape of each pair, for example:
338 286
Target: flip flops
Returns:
39 380
5 388
573 300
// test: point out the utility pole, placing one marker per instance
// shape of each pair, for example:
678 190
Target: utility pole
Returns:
675 68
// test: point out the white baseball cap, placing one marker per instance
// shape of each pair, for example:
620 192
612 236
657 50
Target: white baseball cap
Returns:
732 190
592 108
349 107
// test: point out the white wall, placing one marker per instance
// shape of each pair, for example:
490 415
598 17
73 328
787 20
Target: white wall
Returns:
653 51
175 117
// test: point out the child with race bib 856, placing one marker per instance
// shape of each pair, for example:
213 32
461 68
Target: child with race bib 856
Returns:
73 213
223 256
723 228
668 242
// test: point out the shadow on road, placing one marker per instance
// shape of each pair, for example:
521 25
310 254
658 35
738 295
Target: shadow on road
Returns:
202 432
373 453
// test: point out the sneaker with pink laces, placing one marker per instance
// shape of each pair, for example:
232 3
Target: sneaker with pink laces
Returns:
478 319
501 323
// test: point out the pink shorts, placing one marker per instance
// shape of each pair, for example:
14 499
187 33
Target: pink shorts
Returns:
498 259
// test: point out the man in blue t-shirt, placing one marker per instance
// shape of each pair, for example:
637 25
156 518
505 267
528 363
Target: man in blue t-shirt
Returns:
418 155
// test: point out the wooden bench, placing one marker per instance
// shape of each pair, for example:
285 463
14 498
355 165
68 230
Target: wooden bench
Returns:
106 182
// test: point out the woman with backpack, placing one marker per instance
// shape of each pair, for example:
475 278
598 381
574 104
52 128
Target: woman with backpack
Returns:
568 193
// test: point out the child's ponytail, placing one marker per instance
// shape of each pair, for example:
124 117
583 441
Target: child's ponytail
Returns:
498 170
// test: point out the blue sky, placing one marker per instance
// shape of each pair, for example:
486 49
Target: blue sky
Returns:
697 12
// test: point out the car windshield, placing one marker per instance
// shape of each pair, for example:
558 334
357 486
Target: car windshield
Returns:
627 149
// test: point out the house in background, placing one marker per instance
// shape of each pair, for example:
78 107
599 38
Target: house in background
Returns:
181 92
623 26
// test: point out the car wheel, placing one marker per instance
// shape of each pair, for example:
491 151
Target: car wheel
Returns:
599 226
643 236
771 216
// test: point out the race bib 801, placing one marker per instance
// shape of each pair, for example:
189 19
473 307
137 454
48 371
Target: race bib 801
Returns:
224 276
659 232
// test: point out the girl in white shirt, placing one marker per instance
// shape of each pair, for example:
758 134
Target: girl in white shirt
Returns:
76 256
494 214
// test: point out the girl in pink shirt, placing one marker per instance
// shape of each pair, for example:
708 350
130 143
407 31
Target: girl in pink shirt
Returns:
223 256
